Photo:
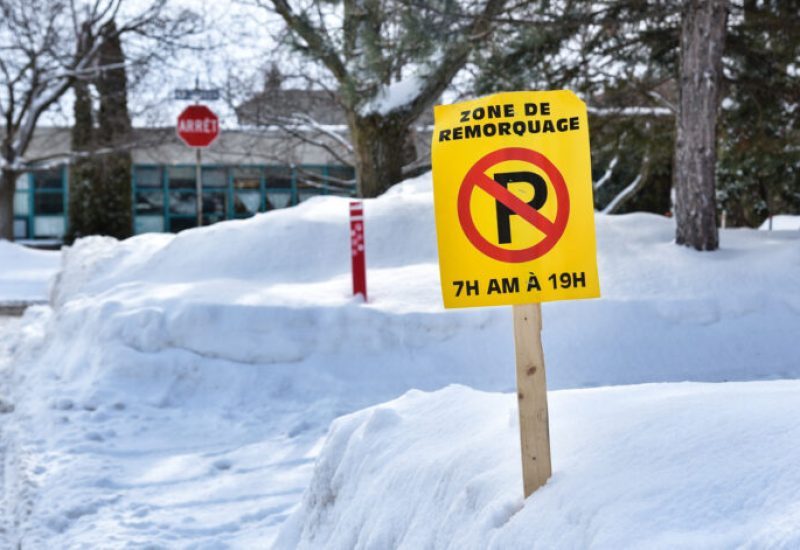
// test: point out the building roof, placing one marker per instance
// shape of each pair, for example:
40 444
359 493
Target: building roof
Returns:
275 105
53 146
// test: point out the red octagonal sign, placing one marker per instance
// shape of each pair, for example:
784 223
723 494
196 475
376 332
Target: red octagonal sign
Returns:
198 126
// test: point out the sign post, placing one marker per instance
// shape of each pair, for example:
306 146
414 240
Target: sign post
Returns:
198 127
515 226
534 421
357 252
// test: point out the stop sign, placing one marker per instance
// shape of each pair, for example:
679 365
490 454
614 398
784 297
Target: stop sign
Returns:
198 126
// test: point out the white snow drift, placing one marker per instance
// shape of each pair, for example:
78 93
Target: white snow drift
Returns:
25 273
650 466
177 392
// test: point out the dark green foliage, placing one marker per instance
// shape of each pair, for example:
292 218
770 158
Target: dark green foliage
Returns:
618 55
759 157
100 180
641 146
82 194
624 54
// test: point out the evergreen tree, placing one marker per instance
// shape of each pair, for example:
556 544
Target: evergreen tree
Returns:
759 157
623 56
115 132
100 183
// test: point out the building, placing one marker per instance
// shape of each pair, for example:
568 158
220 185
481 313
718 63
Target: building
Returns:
290 145
243 172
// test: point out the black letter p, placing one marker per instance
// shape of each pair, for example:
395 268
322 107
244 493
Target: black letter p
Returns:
504 213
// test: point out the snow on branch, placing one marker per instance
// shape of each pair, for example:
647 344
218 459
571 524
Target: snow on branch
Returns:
305 129
632 188
395 96
631 111
607 176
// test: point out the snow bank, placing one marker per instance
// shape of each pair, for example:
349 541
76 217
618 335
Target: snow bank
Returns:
782 222
275 289
652 466
25 273
177 391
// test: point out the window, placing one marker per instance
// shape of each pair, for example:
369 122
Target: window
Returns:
149 224
278 198
147 176
214 177
183 202
49 180
247 178
21 203
49 202
21 228
278 177
214 206
246 203
228 192
48 226
246 191
342 174
310 182
181 177
179 224
149 202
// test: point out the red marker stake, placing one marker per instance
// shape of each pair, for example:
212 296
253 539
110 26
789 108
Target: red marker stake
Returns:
357 252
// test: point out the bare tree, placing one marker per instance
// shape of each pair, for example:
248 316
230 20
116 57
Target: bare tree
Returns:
43 50
390 60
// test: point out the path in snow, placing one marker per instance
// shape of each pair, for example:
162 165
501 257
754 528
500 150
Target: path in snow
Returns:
127 473
7 326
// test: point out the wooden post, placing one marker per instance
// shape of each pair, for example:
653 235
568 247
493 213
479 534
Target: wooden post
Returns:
534 425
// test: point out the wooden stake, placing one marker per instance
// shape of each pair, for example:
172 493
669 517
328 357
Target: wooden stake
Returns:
534 425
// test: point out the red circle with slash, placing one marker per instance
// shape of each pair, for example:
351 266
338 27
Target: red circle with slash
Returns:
477 178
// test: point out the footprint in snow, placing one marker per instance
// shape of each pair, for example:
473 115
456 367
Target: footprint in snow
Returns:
222 464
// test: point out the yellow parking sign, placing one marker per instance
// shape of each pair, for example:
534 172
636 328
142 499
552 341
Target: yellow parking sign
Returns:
513 200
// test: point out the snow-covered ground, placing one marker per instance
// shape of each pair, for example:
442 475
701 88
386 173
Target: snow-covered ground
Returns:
25 273
782 222
180 388
650 466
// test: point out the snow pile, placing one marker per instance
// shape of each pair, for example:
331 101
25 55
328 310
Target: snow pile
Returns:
782 222
650 466
25 273
276 289
178 391
273 290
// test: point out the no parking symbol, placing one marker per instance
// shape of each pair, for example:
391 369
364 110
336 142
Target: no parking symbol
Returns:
508 204
513 200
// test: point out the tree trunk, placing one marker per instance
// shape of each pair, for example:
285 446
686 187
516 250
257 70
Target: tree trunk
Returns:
702 42
8 186
381 151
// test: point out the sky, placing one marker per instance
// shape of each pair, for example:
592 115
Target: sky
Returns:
230 53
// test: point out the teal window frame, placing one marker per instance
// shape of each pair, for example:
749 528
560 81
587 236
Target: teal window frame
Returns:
33 192
172 219
28 217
